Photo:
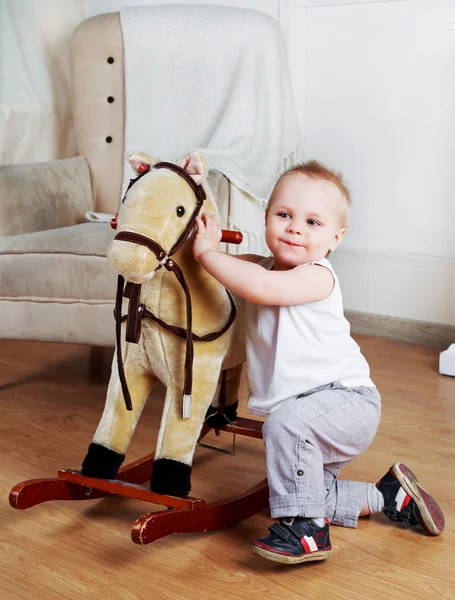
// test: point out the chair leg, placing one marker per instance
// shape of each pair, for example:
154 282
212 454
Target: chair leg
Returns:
97 364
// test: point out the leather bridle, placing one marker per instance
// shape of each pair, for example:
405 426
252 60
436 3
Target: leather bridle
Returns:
137 311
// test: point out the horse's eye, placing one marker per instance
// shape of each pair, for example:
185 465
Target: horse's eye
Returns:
180 211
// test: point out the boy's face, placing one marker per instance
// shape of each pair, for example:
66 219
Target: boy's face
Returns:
303 220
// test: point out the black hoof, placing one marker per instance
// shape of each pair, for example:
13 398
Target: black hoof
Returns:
215 419
102 463
171 477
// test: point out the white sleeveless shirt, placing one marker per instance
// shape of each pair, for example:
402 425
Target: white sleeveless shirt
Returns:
294 349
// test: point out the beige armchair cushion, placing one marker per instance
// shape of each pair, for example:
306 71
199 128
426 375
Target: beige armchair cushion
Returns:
58 285
40 196
60 265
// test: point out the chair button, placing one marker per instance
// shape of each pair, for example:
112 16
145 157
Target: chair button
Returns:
110 99
110 60
300 472
109 139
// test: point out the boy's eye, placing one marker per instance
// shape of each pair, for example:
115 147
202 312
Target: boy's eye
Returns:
284 215
312 222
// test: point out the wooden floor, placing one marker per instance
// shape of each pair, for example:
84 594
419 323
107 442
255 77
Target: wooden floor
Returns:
73 550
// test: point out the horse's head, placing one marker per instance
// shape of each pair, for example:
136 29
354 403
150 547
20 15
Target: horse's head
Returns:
157 213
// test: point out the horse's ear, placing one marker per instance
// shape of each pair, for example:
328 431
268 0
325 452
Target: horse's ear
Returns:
139 161
194 164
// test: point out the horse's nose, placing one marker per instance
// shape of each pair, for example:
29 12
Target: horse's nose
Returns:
134 262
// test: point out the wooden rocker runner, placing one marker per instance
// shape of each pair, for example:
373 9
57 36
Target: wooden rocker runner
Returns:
192 342
190 515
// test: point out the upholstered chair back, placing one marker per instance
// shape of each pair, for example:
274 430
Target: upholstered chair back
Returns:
98 98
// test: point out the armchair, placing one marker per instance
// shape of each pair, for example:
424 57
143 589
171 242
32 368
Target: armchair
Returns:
55 282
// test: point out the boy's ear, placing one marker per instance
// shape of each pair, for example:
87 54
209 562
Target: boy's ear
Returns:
338 238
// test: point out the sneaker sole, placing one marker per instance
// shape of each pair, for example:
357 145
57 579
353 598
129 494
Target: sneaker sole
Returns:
432 516
289 560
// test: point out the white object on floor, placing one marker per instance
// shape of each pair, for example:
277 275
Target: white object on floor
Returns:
97 217
447 361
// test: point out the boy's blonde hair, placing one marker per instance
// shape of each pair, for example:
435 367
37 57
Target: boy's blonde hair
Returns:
316 170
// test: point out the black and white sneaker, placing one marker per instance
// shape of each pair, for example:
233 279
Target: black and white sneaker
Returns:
405 501
294 540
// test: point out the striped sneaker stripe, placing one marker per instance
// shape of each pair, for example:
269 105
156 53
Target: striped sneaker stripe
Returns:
402 499
309 544
429 510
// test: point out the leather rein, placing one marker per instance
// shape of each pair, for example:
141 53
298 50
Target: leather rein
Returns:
137 310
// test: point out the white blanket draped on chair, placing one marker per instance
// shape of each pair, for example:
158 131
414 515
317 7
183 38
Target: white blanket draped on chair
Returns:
216 79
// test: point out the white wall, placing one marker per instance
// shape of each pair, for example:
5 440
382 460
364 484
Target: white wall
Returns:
380 105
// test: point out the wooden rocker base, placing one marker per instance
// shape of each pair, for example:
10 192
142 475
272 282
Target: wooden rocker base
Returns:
187 515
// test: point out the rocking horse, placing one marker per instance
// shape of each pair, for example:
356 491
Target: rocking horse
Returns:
182 328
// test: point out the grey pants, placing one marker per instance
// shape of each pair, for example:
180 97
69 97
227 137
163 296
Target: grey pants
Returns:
308 439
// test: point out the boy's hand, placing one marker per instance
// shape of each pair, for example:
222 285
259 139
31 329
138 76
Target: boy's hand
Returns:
208 236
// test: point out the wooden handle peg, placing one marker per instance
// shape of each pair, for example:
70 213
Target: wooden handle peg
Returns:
231 237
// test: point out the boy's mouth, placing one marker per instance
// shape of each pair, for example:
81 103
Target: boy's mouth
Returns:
291 243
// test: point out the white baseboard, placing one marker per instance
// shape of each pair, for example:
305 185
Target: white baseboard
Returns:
405 330
405 286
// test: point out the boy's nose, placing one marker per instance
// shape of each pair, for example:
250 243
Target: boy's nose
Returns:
294 228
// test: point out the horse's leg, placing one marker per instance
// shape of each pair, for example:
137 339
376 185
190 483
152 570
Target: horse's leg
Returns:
115 430
177 437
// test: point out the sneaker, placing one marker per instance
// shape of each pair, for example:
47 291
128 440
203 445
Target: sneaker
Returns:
405 501
294 540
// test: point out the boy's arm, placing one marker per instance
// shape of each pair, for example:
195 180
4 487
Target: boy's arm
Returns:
310 283
251 281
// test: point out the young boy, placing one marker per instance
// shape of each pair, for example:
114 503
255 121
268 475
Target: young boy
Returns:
306 374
